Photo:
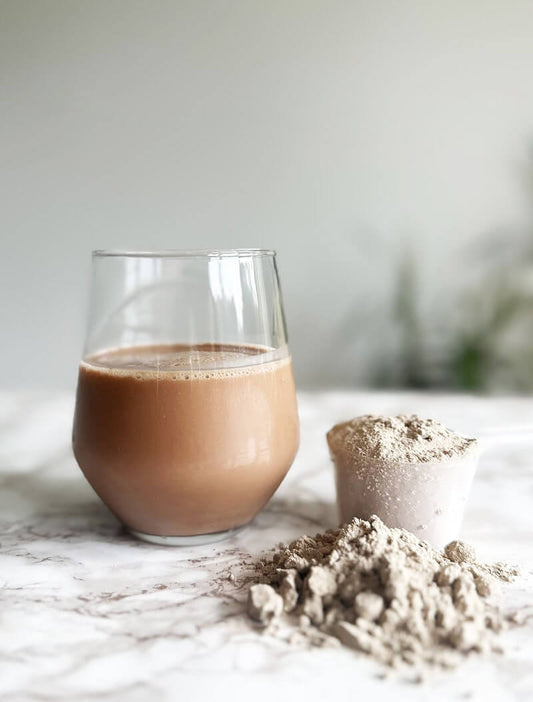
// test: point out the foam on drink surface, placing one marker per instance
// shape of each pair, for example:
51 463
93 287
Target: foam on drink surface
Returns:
184 362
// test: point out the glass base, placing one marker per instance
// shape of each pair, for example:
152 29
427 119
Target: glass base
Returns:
192 540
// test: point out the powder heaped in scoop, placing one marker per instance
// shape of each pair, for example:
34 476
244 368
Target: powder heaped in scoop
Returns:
400 439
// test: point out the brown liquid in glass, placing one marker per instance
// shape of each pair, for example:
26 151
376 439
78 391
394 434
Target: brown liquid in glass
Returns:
179 440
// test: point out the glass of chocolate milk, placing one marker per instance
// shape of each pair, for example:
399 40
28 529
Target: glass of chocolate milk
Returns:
186 419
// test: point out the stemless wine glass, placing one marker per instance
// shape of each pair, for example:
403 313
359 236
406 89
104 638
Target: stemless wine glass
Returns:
186 419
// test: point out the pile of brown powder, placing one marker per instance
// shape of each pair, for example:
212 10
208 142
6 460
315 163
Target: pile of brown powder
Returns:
383 592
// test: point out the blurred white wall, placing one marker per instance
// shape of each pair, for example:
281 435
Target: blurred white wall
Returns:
332 131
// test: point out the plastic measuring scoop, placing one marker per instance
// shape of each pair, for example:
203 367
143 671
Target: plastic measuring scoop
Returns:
428 499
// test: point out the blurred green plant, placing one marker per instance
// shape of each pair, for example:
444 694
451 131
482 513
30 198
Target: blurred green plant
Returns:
411 366
493 348
486 342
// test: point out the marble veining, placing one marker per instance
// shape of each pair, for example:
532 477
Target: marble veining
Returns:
88 613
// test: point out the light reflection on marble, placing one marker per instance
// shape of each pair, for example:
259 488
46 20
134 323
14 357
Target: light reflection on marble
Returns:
89 613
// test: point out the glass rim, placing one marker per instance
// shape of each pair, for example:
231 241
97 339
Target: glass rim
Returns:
183 253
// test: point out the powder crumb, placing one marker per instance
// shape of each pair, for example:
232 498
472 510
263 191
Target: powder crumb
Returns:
460 552
368 605
264 604
383 592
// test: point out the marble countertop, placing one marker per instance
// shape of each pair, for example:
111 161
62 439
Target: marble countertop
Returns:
88 613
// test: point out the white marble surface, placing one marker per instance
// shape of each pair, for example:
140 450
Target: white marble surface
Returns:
87 613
